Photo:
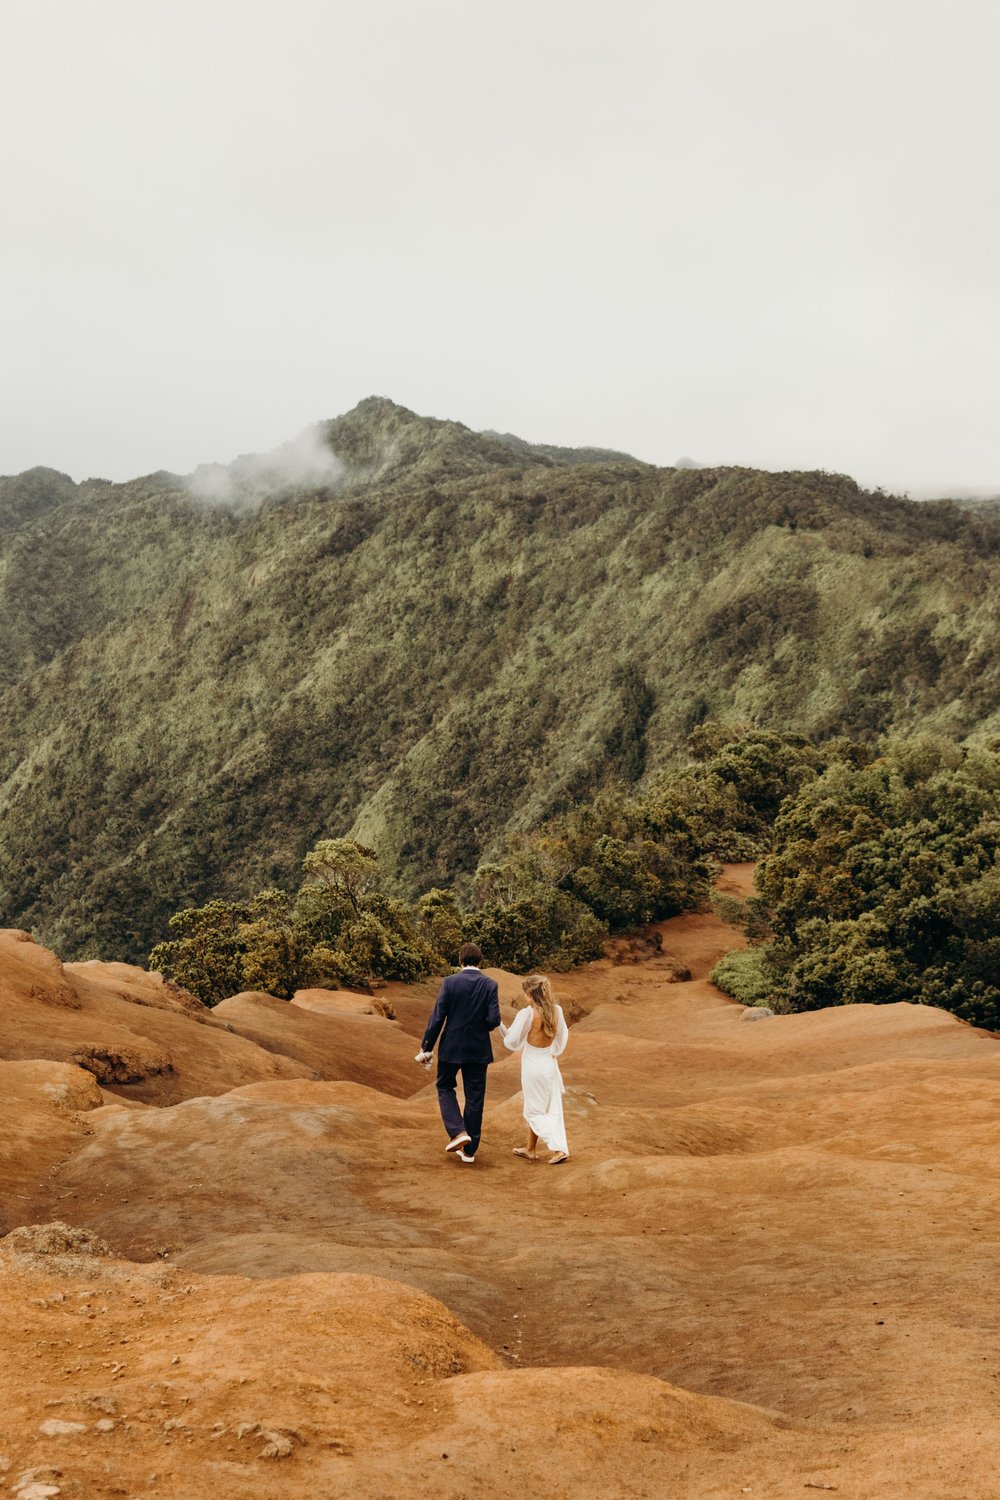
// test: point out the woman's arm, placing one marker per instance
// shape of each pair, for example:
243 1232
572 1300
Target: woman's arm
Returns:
562 1033
518 1030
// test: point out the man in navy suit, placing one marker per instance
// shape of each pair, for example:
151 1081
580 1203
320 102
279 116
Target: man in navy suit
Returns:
468 1007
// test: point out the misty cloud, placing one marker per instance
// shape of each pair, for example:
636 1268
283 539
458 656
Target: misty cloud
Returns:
255 477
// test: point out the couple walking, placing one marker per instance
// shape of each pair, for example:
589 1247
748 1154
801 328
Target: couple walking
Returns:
468 1009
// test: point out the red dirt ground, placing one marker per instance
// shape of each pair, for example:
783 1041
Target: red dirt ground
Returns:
766 1270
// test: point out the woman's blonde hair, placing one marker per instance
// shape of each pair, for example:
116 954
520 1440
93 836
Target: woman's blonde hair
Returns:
538 989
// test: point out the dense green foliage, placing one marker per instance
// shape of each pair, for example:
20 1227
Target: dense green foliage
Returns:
457 639
549 901
339 928
744 974
883 884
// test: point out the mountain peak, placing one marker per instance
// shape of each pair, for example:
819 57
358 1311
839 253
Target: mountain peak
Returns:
381 439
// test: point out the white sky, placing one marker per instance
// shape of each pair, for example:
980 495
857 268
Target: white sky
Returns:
750 231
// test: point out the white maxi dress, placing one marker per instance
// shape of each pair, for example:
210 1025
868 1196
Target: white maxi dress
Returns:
541 1080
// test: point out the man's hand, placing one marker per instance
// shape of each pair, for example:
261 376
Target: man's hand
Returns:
424 1059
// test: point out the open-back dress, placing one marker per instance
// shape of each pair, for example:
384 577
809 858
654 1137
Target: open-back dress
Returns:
541 1080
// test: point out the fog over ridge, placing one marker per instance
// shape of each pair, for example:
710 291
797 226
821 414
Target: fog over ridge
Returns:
254 477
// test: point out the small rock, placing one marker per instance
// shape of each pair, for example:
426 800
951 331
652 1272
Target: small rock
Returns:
277 1445
106 1404
757 1013
54 1428
104 1425
37 1484
122 1064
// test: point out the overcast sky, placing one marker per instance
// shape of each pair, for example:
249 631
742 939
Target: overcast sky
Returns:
761 232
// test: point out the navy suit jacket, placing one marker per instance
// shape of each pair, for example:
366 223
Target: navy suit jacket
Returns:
468 1007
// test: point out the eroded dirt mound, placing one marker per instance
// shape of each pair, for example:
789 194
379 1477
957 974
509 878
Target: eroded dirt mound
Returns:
110 1065
42 1109
765 1270
57 1248
335 1043
132 1030
315 1385
343 1003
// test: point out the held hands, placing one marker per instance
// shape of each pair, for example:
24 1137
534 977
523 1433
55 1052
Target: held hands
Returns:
424 1059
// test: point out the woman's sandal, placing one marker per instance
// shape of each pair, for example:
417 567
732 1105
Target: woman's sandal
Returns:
560 1156
528 1155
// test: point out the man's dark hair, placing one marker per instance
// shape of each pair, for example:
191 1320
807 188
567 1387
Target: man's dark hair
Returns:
469 954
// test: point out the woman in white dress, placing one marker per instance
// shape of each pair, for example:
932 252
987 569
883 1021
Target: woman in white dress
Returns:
539 1032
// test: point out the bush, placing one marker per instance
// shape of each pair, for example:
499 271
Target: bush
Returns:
339 929
542 928
750 915
371 948
205 956
613 862
439 921
745 975
619 885
884 882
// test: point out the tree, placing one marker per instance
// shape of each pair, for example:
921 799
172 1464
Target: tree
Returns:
273 945
440 922
884 882
541 928
617 885
346 868
206 953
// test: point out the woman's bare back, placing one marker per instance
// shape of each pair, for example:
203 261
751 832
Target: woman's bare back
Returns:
537 1036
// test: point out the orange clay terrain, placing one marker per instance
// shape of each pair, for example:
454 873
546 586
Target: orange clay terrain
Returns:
237 1262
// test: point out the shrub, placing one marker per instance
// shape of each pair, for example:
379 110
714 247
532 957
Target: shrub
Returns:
884 882
542 928
439 921
205 955
750 915
744 974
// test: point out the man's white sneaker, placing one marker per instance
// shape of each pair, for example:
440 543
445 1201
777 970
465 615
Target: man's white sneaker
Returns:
458 1141
464 1156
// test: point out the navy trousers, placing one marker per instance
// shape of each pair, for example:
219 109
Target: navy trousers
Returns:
474 1088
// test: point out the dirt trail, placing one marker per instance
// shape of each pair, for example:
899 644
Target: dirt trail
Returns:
768 1264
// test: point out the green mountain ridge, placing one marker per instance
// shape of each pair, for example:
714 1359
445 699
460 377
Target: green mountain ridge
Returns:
443 639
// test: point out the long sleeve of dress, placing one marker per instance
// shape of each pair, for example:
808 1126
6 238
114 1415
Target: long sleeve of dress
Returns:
562 1034
517 1031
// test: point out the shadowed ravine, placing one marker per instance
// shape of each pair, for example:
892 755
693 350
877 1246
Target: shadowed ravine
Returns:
796 1214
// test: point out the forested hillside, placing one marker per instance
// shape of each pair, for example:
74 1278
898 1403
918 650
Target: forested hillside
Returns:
445 638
